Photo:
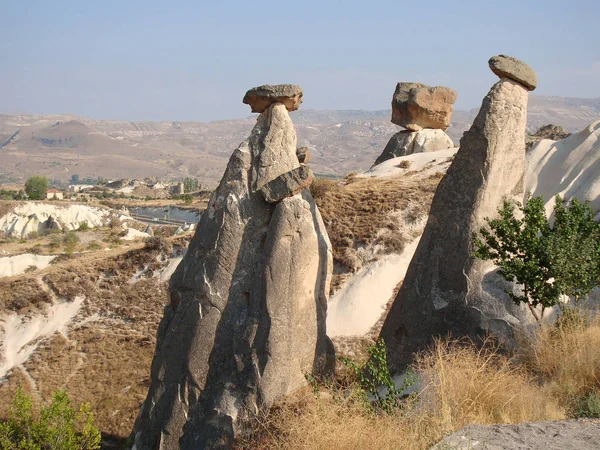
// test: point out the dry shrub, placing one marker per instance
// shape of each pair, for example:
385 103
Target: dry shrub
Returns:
461 384
567 355
320 186
405 164
465 385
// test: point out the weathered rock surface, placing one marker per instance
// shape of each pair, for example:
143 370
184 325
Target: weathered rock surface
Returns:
446 290
288 184
408 142
515 69
416 106
261 97
246 318
558 435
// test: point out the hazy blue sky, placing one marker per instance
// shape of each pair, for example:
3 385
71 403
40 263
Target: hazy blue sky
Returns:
194 60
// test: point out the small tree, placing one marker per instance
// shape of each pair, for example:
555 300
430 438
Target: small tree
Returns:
74 179
59 427
190 185
547 260
36 187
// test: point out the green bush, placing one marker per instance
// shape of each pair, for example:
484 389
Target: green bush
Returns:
374 375
59 427
83 226
587 406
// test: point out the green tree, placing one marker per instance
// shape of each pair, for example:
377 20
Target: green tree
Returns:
36 187
59 427
190 185
548 259
74 179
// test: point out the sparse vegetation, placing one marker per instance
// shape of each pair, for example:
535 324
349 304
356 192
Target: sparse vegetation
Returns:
459 384
58 426
383 213
70 241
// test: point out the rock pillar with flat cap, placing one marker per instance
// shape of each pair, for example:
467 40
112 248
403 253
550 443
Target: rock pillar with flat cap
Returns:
245 320
446 290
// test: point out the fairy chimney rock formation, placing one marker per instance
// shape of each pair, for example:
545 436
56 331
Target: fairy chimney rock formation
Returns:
446 290
246 316
261 97
425 112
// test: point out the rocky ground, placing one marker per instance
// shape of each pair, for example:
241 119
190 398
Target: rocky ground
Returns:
579 434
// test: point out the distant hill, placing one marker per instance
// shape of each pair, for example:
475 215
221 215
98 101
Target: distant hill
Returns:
341 141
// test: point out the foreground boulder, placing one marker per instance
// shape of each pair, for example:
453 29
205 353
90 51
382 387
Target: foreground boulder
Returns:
408 142
446 290
416 106
246 317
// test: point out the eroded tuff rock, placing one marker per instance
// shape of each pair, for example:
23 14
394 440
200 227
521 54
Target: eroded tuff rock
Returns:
246 318
408 142
416 106
515 69
553 132
288 184
446 290
261 97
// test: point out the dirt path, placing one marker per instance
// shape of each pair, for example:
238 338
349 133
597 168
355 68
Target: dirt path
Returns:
581 434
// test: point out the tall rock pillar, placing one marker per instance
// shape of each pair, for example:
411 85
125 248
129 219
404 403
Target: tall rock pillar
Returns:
246 316
446 290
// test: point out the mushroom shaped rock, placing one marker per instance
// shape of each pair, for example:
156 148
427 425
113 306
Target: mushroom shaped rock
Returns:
446 289
416 106
261 97
247 311
515 69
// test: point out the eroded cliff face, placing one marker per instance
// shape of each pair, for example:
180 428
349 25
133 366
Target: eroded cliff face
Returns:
446 290
246 318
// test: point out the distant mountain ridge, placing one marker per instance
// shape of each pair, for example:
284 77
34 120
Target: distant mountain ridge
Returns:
341 141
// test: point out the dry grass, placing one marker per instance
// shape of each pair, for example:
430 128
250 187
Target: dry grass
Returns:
105 355
568 355
465 385
461 385
364 213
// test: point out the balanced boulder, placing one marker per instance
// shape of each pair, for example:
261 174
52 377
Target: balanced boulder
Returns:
246 318
515 69
416 106
261 97
446 290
